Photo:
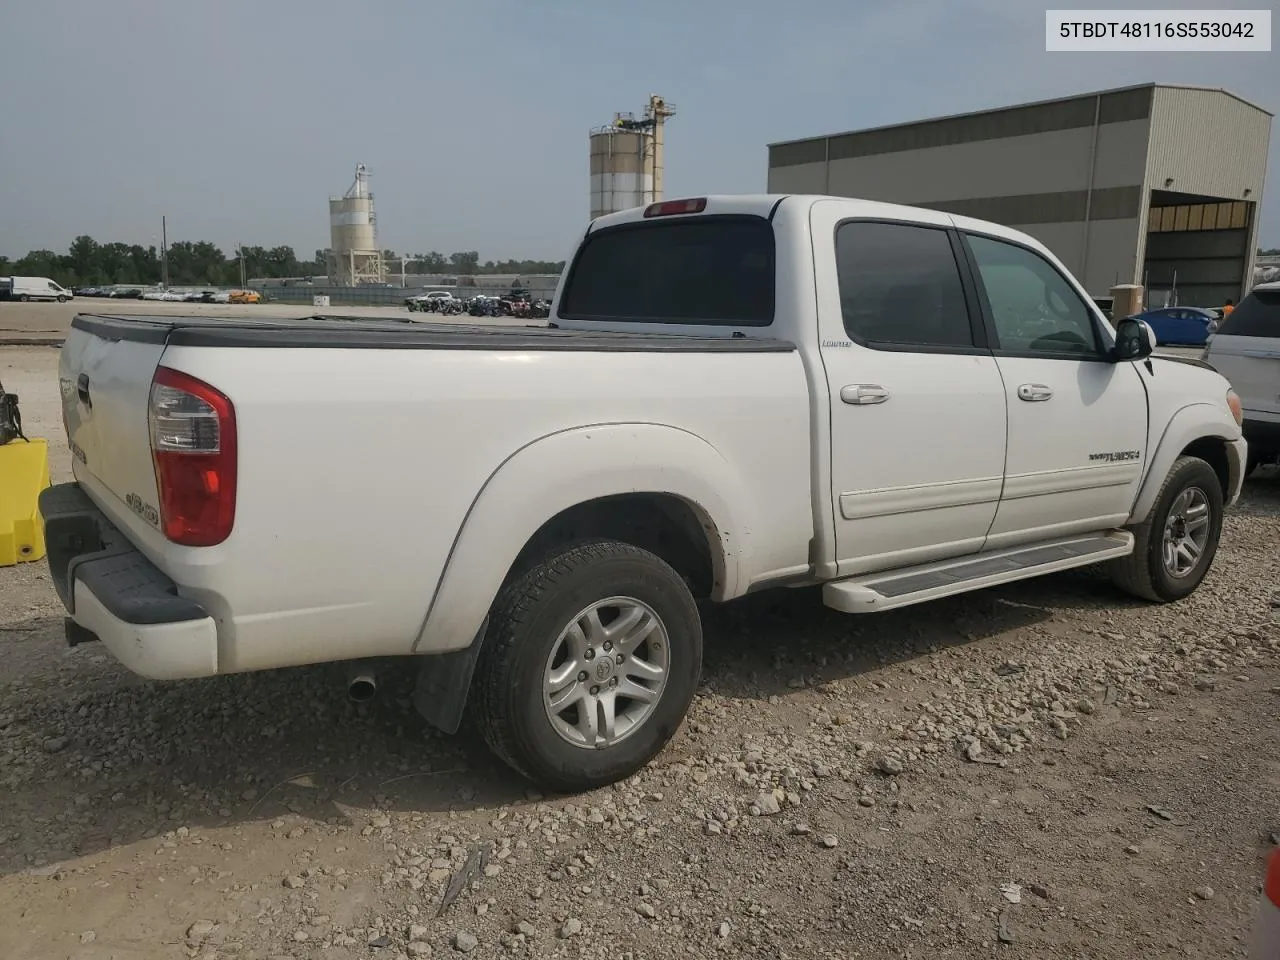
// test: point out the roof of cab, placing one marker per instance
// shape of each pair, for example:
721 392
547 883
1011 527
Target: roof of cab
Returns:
764 205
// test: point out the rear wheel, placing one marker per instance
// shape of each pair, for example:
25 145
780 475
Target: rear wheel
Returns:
1175 546
589 665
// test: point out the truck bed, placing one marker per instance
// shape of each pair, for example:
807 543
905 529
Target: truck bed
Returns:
338 332
369 453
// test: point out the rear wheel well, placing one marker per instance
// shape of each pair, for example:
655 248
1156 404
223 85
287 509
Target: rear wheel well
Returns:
1212 451
661 523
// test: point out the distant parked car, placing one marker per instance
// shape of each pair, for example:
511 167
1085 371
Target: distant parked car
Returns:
244 296
1180 326
126 293
427 301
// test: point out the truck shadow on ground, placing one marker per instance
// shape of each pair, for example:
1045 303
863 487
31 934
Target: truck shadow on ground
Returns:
92 758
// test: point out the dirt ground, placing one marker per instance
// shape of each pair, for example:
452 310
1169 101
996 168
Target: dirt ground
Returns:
1044 770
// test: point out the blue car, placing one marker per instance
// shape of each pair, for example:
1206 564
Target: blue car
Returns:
1180 326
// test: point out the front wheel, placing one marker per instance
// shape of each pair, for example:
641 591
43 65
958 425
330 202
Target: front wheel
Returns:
1175 546
23 299
589 665
62 299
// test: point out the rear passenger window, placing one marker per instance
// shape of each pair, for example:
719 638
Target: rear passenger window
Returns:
900 286
1257 316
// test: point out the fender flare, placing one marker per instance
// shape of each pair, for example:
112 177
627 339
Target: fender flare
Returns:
1195 421
533 485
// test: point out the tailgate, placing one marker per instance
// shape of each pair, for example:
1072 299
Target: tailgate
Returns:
105 384
1252 367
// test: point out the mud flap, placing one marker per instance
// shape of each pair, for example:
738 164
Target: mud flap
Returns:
444 680
24 472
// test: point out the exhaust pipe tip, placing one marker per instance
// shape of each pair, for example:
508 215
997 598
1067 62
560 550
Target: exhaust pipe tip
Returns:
362 688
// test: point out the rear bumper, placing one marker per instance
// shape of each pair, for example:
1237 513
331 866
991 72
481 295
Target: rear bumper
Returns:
116 593
1263 435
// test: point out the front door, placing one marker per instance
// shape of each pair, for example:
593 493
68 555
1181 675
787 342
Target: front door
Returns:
1077 421
917 405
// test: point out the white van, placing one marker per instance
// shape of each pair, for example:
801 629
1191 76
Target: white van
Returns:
37 288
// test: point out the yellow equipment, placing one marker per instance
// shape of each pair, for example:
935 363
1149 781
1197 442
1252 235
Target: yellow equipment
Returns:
24 472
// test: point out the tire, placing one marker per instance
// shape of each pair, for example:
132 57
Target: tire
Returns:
24 298
532 624
62 299
1145 573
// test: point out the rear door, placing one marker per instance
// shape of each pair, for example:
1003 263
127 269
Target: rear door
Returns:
917 404
1077 421
1246 350
105 385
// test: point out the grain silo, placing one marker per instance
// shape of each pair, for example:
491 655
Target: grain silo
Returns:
354 257
626 160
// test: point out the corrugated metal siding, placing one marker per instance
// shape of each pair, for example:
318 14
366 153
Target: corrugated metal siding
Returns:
1113 203
1021 121
1048 162
803 178
1209 143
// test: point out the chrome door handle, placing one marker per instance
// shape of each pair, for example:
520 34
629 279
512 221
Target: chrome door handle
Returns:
1032 392
864 393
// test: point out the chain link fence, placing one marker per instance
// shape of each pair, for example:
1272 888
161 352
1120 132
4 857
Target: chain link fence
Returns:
542 286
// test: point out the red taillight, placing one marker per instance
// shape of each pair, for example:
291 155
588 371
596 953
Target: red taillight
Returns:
672 208
193 442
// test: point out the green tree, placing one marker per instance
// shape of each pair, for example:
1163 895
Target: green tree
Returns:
85 260
197 263
41 263
465 263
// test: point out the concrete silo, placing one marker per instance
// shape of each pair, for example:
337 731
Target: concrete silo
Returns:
627 160
354 256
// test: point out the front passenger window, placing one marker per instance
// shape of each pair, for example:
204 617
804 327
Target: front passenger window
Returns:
1035 310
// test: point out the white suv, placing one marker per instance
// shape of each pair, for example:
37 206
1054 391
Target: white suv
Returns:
1246 350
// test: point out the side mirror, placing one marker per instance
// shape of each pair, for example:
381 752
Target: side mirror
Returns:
1135 340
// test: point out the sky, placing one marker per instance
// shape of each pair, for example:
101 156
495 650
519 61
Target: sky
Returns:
237 120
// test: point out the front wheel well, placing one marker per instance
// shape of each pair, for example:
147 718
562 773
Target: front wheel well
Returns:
662 523
1213 451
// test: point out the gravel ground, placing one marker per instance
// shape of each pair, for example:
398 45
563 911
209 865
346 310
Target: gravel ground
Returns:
1045 770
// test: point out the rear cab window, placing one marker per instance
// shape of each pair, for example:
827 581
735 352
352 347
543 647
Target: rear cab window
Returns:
712 270
1258 315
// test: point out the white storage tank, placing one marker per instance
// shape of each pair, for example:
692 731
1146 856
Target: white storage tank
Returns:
619 178
355 256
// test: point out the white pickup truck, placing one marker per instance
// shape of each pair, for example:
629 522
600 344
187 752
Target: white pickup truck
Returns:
732 393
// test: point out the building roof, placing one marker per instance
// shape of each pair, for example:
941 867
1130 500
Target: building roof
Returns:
1033 103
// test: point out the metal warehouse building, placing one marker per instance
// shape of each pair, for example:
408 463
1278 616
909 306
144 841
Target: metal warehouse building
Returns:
1157 184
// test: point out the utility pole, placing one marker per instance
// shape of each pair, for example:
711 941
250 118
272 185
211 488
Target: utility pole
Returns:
243 281
164 255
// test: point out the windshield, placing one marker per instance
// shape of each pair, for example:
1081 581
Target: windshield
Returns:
1257 316
712 270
